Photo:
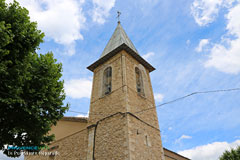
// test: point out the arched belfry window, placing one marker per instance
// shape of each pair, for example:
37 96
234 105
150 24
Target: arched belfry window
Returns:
107 80
139 81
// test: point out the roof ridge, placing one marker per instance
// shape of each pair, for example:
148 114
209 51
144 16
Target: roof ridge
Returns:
76 119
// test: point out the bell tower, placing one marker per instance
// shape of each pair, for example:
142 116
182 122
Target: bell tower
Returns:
123 120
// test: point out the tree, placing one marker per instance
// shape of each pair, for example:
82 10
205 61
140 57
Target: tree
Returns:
31 91
234 154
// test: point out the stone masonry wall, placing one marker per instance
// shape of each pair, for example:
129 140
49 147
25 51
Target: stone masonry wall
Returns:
124 136
145 141
73 147
124 96
138 102
114 137
103 105
111 141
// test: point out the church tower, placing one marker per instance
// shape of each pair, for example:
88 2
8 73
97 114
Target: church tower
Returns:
123 122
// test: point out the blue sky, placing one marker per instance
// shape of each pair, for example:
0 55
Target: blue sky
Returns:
193 44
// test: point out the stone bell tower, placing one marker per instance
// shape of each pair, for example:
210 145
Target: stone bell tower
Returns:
123 122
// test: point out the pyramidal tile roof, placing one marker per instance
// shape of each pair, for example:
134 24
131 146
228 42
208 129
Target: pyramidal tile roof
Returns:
118 38
118 42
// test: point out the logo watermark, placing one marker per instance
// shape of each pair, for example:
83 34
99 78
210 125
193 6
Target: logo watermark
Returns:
36 148
40 153
30 150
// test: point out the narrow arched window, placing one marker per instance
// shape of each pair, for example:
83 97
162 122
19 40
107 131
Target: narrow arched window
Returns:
139 81
107 80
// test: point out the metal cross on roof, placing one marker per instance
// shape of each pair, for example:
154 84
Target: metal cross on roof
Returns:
118 16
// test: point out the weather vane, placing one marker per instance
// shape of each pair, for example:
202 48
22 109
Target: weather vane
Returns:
118 16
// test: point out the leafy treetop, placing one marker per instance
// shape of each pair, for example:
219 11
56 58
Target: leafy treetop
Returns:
31 92
233 154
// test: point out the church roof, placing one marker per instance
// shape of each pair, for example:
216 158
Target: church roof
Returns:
118 38
75 119
118 42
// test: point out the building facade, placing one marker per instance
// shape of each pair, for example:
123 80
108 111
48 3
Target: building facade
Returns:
122 123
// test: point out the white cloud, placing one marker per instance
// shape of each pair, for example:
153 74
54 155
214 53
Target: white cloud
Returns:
188 42
60 20
148 55
78 88
225 59
83 115
210 151
202 44
101 10
206 11
233 16
182 137
158 97
185 137
226 56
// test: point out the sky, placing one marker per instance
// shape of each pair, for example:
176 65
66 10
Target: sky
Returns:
193 44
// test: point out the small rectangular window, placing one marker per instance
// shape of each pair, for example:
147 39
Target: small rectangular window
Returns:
146 140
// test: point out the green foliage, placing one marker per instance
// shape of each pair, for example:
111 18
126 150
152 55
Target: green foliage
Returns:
31 92
234 154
